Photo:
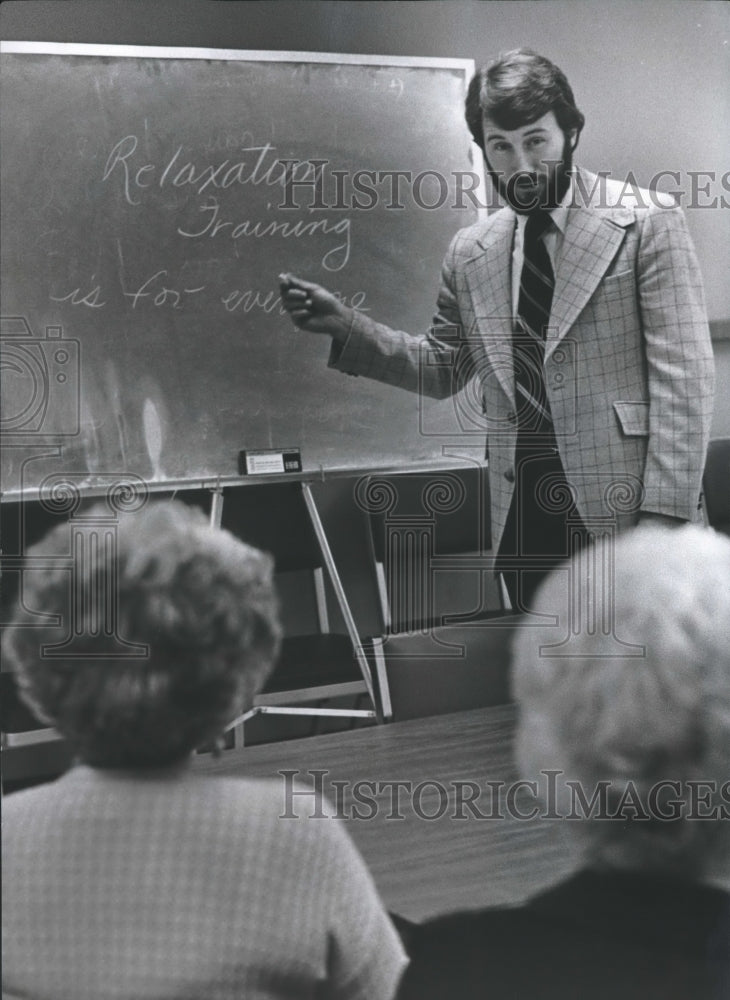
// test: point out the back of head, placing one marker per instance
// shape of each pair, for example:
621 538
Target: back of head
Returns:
518 88
626 690
166 627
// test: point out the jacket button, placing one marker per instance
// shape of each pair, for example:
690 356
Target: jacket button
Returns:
509 475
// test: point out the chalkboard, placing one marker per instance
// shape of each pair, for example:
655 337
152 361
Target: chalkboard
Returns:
146 216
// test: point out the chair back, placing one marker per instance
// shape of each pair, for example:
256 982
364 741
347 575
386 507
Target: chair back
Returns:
15 716
431 540
454 504
452 668
273 517
716 484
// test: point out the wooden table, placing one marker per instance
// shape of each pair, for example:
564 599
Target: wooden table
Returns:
421 865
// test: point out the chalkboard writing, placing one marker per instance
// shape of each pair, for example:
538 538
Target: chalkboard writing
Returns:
151 198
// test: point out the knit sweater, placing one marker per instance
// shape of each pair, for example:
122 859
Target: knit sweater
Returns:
121 885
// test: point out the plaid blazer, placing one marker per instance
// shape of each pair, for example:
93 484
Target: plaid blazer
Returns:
628 360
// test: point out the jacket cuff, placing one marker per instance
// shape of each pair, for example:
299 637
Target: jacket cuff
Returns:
342 352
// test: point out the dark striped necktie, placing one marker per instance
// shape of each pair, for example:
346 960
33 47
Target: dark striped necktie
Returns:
533 314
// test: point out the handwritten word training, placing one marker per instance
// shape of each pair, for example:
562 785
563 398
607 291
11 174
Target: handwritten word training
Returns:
334 260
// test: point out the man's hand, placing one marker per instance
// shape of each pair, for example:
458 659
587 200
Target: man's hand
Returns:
314 309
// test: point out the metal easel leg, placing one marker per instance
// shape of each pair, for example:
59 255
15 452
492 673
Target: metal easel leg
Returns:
216 517
339 590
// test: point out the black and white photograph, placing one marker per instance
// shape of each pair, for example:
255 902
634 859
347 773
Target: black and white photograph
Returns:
365 499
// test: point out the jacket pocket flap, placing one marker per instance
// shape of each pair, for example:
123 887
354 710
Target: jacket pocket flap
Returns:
633 417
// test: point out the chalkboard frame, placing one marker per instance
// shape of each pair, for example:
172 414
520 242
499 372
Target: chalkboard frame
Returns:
472 451
226 55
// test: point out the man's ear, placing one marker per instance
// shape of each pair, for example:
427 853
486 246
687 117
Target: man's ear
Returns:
574 137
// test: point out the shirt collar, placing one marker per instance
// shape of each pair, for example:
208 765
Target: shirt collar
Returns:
558 215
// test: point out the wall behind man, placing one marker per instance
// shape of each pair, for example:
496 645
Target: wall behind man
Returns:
652 77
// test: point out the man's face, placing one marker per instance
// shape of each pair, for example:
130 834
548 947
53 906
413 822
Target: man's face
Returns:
529 165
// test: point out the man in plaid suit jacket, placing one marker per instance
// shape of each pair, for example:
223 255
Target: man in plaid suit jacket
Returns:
627 365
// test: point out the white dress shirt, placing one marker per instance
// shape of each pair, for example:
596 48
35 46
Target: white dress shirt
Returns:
553 240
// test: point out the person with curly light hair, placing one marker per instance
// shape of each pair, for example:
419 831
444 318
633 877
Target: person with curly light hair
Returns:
623 689
635 707
132 875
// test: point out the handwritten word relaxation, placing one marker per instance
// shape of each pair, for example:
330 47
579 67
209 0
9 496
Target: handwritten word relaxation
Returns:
334 260
260 167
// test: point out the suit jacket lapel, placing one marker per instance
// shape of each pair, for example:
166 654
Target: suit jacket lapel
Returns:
489 279
591 241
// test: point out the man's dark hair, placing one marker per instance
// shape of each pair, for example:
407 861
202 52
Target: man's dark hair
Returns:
518 88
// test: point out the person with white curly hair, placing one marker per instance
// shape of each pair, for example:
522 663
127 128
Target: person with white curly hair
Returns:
624 701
